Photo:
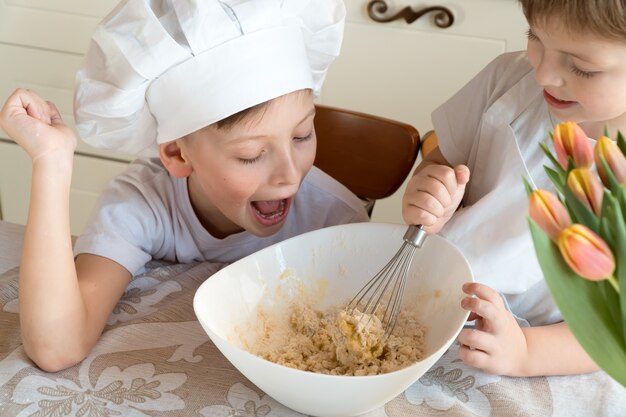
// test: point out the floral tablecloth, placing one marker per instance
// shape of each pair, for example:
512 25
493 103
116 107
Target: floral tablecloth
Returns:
154 359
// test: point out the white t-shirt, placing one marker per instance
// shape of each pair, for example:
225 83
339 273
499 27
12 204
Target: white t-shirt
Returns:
144 213
494 125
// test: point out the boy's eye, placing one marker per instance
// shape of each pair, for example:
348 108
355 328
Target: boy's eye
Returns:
257 158
581 73
251 160
531 35
303 138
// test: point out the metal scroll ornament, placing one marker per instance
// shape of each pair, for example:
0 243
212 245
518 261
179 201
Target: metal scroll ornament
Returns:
376 9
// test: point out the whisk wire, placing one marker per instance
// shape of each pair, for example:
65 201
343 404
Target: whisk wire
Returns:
377 280
394 273
397 294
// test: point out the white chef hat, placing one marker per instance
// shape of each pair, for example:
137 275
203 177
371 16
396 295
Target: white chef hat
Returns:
157 70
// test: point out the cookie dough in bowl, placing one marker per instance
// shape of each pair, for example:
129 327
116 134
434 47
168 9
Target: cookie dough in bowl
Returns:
336 342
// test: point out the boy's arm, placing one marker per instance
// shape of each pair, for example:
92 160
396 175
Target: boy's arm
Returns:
553 350
60 316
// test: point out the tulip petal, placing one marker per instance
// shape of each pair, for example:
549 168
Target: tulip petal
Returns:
614 158
571 141
586 253
586 187
548 212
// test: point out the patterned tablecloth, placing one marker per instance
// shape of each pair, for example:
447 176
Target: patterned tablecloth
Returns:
154 359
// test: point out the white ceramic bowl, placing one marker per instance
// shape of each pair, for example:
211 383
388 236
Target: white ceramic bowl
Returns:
335 262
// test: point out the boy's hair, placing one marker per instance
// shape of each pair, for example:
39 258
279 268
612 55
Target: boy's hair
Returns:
234 119
603 18
250 113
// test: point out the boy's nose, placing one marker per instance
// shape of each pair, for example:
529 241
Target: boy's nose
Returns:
286 171
547 73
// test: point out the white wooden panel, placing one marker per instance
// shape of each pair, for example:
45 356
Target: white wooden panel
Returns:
63 25
89 177
51 75
15 178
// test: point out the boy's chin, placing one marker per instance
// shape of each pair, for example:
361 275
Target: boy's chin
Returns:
265 231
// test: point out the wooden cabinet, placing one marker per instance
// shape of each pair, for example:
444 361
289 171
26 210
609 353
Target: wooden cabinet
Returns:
397 70
89 176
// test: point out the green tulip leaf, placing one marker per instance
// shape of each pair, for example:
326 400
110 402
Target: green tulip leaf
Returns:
621 143
616 219
583 306
612 298
555 163
621 198
557 178
579 211
527 186
606 230
613 185
612 301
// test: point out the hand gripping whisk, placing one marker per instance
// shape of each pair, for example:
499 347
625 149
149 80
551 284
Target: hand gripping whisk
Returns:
387 286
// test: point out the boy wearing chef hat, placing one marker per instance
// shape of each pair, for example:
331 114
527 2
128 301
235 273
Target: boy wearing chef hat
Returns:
223 92
573 69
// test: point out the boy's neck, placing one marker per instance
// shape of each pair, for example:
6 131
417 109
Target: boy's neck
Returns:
595 130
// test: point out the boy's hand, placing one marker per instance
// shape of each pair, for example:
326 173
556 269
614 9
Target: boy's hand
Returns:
433 194
36 125
497 344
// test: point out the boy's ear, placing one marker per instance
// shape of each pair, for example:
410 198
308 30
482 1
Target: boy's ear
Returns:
174 161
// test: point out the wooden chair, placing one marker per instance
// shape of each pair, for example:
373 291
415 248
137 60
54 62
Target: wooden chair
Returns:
370 155
429 142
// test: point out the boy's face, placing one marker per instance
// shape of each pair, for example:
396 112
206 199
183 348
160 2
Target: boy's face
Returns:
246 176
584 77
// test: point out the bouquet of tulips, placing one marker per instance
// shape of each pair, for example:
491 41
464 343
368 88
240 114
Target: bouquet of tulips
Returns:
579 235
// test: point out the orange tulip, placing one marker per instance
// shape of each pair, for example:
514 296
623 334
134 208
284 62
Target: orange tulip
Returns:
586 253
587 187
614 159
570 141
548 212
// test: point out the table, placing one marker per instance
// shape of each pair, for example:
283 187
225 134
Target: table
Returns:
154 359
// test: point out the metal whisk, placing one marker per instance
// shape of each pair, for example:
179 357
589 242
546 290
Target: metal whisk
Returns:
388 284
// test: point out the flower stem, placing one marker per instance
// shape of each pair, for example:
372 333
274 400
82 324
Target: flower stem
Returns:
614 282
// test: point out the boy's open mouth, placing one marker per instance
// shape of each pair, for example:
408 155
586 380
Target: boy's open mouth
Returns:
271 212
555 102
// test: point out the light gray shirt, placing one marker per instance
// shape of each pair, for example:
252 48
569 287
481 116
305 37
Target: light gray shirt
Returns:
494 125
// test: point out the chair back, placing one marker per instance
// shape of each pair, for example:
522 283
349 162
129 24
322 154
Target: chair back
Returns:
370 155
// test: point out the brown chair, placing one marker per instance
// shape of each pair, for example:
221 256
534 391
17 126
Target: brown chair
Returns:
370 155
429 142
